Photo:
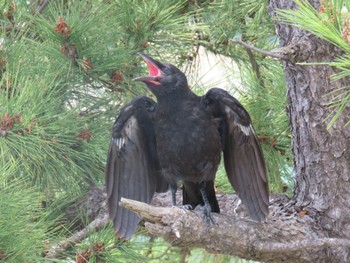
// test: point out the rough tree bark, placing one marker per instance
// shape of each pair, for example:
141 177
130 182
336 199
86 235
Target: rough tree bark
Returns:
322 157
313 226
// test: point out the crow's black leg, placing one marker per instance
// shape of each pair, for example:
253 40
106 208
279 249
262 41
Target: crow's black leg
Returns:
173 189
206 209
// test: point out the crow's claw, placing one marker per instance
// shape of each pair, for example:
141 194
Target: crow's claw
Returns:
207 215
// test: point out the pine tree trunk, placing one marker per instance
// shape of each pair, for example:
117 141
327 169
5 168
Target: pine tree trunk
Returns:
321 156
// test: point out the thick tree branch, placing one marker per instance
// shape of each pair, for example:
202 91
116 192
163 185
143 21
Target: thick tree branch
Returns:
318 243
285 235
279 238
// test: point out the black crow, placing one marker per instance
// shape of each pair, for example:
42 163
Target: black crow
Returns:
180 138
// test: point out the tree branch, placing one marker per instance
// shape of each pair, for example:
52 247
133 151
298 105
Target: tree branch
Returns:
41 6
101 221
293 236
285 235
282 53
318 243
255 66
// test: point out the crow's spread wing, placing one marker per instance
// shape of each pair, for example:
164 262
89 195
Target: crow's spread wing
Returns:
132 166
243 157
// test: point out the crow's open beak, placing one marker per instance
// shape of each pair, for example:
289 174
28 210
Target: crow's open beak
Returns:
155 70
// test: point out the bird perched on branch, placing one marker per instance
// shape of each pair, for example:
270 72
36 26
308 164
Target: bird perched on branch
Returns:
180 138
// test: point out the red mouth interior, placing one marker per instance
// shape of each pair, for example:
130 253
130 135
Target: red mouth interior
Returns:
154 71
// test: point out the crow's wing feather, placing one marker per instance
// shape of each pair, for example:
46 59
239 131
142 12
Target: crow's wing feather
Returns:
243 156
132 166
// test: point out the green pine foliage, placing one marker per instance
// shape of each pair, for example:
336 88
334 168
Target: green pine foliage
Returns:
64 75
48 141
66 70
231 19
24 229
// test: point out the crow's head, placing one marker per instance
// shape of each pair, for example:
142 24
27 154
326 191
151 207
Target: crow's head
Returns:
163 78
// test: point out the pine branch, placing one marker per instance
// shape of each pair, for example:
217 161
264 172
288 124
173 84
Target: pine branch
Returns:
22 30
255 67
101 221
298 245
107 84
41 6
277 239
272 54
